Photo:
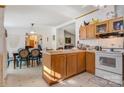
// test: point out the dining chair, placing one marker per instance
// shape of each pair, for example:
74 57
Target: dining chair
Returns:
24 57
35 56
9 59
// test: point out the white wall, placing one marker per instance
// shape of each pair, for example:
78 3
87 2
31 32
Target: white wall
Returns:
47 33
60 40
120 10
54 42
16 38
101 14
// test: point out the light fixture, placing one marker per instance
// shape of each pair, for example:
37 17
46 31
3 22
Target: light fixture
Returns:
32 29
100 6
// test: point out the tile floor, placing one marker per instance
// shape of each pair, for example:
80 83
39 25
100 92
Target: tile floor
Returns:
31 77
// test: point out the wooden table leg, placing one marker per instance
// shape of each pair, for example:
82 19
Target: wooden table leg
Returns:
14 61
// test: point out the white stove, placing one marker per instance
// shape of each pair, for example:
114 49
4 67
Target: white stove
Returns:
109 66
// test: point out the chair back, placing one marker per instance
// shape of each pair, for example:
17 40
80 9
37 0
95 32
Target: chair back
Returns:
24 53
20 49
35 53
39 47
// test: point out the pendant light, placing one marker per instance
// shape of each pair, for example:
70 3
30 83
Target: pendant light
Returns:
32 29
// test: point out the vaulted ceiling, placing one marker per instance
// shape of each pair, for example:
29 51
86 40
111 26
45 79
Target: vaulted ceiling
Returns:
42 15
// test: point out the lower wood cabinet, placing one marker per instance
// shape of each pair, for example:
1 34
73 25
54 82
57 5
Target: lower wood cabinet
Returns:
71 64
90 62
59 66
81 62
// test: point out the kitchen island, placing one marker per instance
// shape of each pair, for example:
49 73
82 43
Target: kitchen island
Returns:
61 64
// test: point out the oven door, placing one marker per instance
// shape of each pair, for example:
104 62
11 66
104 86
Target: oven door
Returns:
109 62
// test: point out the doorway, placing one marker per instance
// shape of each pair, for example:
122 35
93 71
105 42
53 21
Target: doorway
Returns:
66 36
31 40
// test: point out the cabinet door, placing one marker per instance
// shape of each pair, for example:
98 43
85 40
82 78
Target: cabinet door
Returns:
82 33
47 72
90 62
81 63
59 66
102 27
91 31
71 64
111 25
116 24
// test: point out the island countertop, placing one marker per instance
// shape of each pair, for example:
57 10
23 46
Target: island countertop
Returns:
66 51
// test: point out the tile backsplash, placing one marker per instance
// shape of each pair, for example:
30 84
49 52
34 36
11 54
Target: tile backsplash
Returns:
116 42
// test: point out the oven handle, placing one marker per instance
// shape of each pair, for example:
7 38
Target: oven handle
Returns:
108 55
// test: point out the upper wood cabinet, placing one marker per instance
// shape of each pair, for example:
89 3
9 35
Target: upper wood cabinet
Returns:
71 64
90 62
116 24
81 62
82 32
87 32
90 31
108 26
102 27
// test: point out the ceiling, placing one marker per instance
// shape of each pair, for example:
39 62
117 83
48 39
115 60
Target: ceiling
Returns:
42 15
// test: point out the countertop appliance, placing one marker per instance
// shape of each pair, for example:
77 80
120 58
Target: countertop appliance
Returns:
98 48
109 66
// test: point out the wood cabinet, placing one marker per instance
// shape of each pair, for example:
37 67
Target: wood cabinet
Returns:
59 66
71 64
47 72
90 31
54 68
82 32
81 62
102 27
116 24
90 62
87 32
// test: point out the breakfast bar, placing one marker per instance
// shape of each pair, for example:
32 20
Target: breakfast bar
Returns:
61 64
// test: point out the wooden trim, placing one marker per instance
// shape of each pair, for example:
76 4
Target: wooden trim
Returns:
87 13
2 6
